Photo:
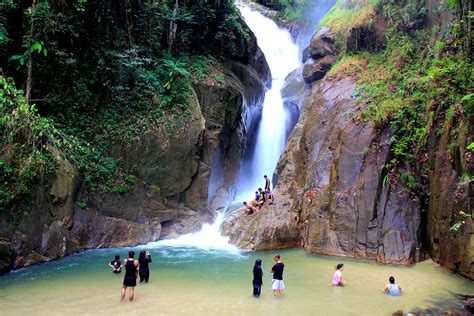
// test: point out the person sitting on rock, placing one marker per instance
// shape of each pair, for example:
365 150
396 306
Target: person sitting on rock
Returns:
249 209
258 200
263 197
269 196
392 288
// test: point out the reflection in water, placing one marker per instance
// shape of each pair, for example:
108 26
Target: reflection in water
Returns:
196 281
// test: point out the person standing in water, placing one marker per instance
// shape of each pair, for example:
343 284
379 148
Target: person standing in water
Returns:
257 281
130 279
267 183
392 288
337 278
144 272
277 282
116 264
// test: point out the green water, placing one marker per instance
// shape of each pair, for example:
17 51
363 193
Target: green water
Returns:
192 281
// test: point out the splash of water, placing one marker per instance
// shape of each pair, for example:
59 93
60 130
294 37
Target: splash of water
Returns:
209 238
282 56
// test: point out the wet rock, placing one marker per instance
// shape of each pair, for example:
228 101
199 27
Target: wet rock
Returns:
329 188
316 69
295 90
450 248
7 255
322 44
273 227
305 55
94 230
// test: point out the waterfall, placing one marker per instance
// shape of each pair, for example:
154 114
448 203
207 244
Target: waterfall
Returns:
282 56
208 238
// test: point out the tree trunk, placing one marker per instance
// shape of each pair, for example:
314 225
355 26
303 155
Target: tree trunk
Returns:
173 27
29 63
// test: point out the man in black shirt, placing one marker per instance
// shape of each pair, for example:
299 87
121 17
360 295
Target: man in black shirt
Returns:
277 270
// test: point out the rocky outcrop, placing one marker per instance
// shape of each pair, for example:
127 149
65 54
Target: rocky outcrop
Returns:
322 50
452 248
322 43
314 70
330 188
41 234
271 228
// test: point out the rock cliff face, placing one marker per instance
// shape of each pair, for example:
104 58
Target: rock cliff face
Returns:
330 188
332 197
174 167
452 249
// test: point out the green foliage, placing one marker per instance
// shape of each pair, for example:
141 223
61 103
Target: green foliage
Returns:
406 85
458 220
32 147
470 147
348 13
81 204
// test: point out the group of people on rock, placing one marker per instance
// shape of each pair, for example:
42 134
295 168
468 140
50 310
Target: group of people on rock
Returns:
133 270
278 285
262 196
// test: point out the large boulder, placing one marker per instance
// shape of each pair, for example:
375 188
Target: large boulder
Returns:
273 227
314 70
7 255
322 44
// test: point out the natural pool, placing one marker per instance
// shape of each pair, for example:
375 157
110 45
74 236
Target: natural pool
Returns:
200 282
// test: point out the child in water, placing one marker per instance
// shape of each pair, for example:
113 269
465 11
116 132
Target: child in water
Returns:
116 264
337 278
257 281
392 288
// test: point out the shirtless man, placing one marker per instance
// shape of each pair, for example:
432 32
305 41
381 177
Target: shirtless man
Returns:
249 209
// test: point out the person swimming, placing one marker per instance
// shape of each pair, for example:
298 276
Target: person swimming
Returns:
257 281
130 279
144 272
392 288
116 264
337 278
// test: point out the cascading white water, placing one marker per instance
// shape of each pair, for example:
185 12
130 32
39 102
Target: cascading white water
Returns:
282 56
208 238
